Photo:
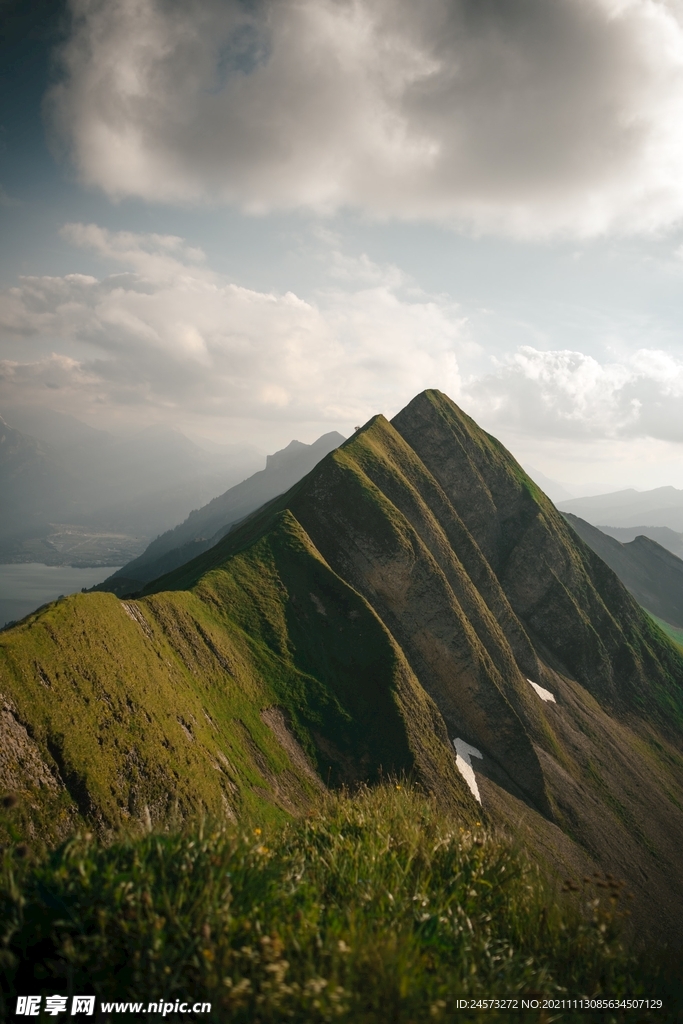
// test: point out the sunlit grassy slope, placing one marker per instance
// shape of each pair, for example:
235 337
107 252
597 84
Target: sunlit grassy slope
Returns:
375 908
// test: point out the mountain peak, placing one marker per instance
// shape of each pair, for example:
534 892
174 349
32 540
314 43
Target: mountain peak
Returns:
412 604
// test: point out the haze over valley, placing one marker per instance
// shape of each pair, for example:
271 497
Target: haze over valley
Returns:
74 495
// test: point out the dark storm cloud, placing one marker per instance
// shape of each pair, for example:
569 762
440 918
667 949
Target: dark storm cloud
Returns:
515 115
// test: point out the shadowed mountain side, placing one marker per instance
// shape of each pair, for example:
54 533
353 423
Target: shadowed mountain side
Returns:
399 556
572 606
616 796
651 573
205 526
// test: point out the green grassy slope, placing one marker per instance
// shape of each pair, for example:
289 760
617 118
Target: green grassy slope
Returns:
674 633
157 707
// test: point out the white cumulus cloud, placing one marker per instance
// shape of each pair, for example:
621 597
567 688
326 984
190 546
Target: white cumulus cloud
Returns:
169 334
566 394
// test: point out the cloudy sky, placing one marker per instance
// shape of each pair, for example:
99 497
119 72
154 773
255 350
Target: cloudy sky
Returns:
266 219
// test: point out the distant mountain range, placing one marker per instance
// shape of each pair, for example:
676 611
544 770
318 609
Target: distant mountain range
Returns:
635 533
34 485
652 573
668 539
70 494
413 606
204 527
661 507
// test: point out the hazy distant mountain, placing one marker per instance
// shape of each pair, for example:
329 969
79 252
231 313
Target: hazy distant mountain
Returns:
205 526
35 484
669 539
41 494
662 506
553 488
73 494
57 428
652 574
150 481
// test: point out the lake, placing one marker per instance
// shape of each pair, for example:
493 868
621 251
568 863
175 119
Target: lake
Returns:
24 586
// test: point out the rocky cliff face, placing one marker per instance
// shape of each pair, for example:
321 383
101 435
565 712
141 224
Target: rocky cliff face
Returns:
414 605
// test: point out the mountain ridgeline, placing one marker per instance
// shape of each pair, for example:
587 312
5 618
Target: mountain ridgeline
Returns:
414 606
650 571
205 526
660 507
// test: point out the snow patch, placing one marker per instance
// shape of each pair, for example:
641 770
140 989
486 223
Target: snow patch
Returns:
543 694
464 752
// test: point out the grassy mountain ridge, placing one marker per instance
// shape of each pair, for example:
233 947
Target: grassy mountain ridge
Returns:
400 596
168 694
553 602
500 525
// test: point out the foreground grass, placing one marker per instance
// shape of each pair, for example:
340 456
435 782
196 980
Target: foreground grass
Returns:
376 909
